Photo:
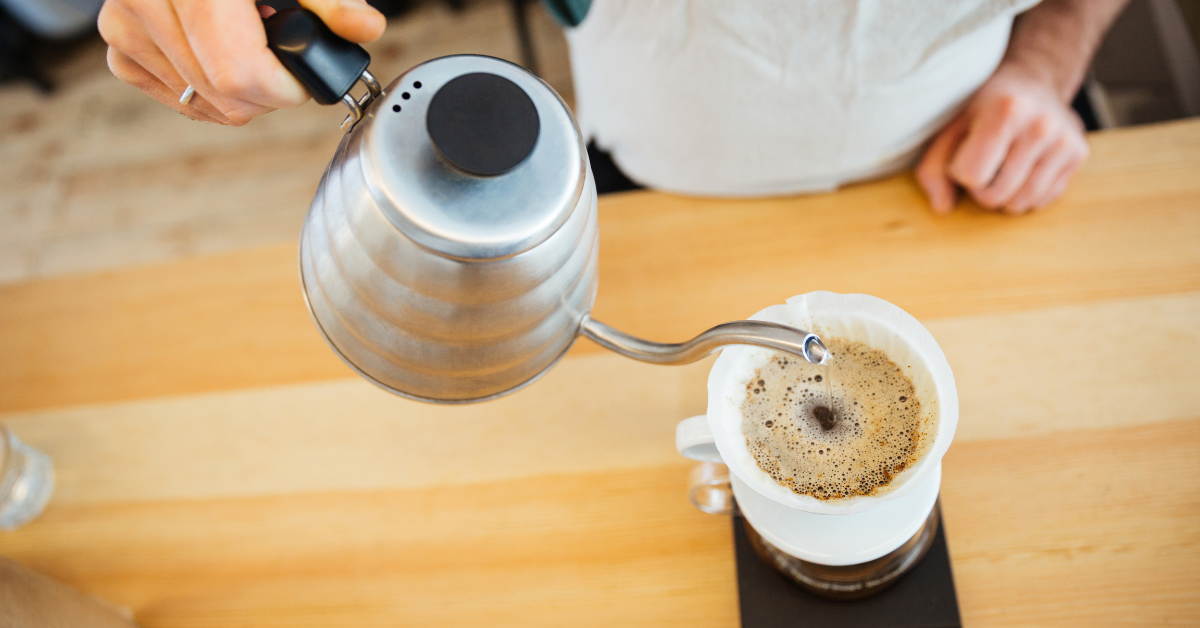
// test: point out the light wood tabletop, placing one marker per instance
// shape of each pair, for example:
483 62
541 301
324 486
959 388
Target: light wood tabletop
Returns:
218 466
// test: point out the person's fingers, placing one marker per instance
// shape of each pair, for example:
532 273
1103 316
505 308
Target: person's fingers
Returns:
1056 190
1026 150
221 48
130 72
933 174
350 19
991 133
145 29
156 20
1052 164
1077 150
131 46
1060 183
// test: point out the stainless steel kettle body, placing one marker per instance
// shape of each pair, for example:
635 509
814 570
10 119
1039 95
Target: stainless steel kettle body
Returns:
466 314
445 265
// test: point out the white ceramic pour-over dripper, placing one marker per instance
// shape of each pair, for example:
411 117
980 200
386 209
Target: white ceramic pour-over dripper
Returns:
838 532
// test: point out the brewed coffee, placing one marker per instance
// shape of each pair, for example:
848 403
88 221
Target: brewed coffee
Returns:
837 431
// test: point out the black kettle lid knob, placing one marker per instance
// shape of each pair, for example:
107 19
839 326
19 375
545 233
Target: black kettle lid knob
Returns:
482 123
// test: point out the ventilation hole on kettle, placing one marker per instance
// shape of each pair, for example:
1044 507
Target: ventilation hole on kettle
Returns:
405 96
417 85
396 108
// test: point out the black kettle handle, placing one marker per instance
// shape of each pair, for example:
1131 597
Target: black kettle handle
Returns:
325 64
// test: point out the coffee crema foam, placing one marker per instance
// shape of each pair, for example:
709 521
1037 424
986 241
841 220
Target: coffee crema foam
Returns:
877 429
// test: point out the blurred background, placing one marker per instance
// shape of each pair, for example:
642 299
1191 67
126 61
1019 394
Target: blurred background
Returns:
97 175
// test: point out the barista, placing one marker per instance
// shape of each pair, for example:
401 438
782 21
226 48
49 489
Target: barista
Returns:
709 97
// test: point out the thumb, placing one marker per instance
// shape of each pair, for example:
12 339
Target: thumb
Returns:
933 172
349 19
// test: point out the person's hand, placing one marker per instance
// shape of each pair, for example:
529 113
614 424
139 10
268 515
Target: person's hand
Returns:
218 47
1013 148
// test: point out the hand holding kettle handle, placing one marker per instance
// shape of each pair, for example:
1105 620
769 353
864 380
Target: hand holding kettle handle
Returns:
325 64
756 333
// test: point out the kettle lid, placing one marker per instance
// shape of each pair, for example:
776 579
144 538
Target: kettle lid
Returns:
473 157
482 123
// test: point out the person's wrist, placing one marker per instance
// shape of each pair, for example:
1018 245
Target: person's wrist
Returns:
1036 75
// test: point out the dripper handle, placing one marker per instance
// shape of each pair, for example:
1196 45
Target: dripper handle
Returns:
755 333
325 64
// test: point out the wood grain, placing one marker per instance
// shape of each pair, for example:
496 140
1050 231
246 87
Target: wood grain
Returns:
1092 528
1017 374
229 321
349 435
620 548
220 467
101 176
670 267
1084 528
1127 227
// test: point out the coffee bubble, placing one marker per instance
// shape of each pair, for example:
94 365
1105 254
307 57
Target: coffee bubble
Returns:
851 445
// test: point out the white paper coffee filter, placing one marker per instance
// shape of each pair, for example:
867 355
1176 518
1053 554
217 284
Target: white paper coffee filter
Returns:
857 317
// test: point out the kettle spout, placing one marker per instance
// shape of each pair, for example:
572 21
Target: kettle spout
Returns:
755 333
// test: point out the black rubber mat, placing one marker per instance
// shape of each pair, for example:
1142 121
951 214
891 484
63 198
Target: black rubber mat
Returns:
922 598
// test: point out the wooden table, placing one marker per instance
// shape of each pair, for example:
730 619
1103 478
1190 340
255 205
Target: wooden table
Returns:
218 466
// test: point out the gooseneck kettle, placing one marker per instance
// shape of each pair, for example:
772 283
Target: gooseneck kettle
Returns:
450 252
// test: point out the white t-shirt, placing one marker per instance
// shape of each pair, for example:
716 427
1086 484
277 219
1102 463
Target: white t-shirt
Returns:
765 97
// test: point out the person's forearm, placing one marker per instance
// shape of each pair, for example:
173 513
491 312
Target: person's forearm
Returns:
1055 40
